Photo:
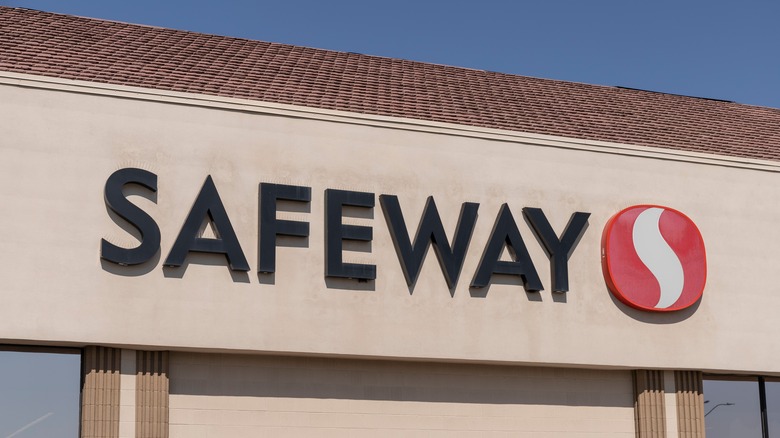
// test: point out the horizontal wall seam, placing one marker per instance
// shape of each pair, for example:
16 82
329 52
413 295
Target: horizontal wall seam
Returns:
252 106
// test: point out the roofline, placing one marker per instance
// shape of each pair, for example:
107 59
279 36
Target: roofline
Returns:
149 57
389 57
382 121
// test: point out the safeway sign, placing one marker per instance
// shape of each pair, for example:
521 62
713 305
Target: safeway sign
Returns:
653 257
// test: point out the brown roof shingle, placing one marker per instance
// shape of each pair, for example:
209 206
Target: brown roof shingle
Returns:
88 49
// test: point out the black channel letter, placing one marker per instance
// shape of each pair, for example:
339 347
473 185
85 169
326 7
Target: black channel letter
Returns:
116 201
270 226
208 204
429 231
336 232
558 250
505 232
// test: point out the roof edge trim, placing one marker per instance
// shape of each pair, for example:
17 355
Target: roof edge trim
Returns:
226 103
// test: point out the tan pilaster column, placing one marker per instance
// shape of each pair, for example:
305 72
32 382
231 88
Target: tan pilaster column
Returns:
649 404
100 392
151 394
690 403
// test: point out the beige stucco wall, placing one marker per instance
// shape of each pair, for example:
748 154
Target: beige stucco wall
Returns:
60 141
215 395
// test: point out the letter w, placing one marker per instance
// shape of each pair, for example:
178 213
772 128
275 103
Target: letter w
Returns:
430 231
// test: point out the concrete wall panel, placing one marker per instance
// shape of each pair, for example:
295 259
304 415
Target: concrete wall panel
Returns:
228 395
59 143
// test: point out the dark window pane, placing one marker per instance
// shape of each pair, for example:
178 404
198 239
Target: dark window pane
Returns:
773 407
39 394
740 420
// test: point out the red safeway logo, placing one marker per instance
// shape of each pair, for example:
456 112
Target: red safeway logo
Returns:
653 258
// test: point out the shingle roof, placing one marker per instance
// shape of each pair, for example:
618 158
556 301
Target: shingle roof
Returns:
70 47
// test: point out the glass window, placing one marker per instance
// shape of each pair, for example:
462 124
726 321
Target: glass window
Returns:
732 408
773 406
39 394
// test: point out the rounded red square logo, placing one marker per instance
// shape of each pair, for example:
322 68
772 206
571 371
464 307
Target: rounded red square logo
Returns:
653 258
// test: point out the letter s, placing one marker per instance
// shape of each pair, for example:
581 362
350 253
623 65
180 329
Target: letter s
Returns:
116 202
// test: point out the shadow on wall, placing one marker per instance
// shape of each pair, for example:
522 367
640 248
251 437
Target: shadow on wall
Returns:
510 280
655 317
207 260
355 379
131 271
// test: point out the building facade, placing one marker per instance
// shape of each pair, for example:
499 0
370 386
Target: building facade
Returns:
235 237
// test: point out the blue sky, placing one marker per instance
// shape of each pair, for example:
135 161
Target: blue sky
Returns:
716 49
